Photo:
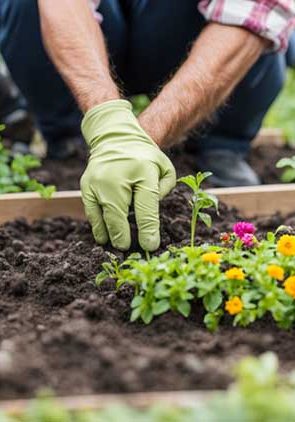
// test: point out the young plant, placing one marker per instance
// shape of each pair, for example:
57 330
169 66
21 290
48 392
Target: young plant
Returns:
14 174
199 201
288 164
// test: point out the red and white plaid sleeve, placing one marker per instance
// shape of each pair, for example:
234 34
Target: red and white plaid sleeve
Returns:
271 19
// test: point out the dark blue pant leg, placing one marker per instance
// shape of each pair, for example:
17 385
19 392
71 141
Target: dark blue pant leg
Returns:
46 93
20 42
162 32
290 55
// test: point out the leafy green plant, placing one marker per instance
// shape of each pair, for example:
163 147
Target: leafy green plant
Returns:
14 174
288 164
199 201
242 277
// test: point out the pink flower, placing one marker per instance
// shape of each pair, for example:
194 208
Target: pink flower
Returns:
248 240
243 228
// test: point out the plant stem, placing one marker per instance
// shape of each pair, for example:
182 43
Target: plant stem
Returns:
148 256
193 228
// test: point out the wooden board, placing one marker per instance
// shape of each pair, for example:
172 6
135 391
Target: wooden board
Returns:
32 207
259 200
251 201
99 402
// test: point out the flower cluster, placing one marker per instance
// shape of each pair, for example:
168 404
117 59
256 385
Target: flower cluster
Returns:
234 278
245 232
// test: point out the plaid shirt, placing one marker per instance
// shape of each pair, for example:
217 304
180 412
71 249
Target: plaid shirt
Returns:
271 19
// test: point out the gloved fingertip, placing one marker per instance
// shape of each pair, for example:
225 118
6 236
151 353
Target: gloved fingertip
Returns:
150 242
121 245
100 238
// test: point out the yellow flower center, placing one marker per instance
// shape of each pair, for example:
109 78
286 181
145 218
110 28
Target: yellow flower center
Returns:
286 245
234 306
276 272
235 274
290 286
211 257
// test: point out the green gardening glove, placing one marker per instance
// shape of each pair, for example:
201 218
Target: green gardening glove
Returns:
124 165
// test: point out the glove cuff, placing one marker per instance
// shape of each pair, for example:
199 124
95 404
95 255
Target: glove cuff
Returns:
102 119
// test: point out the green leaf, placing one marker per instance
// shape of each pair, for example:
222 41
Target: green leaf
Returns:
46 192
212 300
147 315
137 301
135 314
190 181
206 218
288 175
286 162
212 320
101 277
271 237
184 308
161 307
200 177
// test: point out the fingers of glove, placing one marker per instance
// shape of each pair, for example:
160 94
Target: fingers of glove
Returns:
116 220
93 213
146 204
168 180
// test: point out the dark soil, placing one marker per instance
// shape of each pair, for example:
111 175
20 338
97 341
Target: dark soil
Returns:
58 330
66 174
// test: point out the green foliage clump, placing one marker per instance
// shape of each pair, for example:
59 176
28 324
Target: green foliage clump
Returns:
288 164
14 174
212 276
241 276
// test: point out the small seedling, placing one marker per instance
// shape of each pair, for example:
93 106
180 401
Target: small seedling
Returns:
288 164
14 174
199 201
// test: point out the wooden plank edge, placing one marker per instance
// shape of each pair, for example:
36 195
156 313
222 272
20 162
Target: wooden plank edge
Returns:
102 401
250 201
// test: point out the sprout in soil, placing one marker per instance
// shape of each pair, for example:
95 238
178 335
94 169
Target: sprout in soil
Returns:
199 201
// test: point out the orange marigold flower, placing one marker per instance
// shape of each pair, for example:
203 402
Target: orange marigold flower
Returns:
286 245
211 257
234 306
235 273
276 272
290 286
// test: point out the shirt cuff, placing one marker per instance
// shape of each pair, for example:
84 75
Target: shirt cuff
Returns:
273 20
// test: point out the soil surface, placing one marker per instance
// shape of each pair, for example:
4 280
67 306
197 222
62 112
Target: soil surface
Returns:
66 174
58 330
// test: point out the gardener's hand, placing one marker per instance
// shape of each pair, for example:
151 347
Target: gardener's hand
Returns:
124 162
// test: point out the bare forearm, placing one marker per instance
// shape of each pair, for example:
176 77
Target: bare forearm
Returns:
219 59
75 44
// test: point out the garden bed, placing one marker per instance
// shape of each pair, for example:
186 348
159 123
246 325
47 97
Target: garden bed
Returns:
58 330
